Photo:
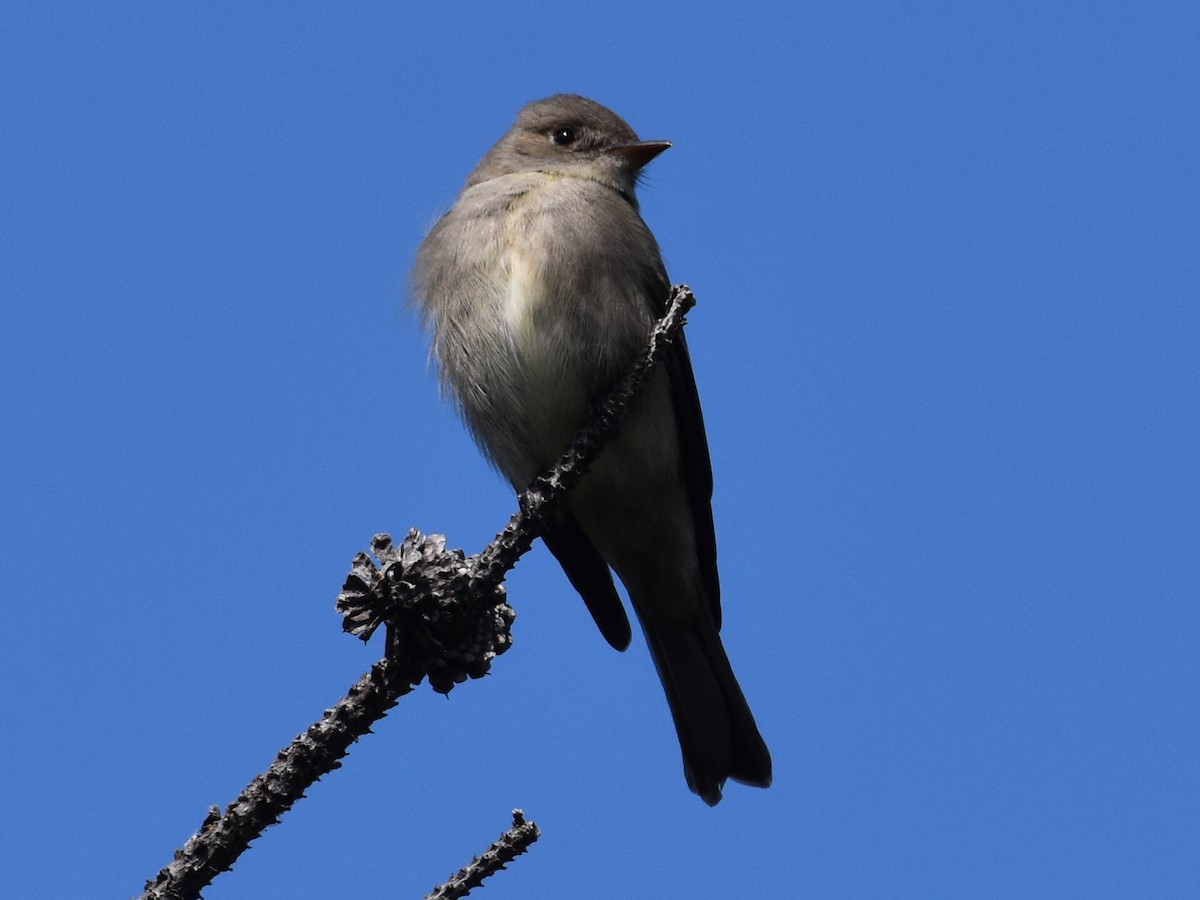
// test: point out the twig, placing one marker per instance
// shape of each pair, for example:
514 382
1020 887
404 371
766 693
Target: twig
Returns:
511 844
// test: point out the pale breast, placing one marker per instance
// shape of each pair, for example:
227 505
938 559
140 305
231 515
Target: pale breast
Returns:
527 328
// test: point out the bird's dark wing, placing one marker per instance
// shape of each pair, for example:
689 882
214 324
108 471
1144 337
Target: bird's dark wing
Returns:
689 425
697 466
589 574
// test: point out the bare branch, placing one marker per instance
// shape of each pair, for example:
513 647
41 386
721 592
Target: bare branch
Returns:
223 837
446 619
511 844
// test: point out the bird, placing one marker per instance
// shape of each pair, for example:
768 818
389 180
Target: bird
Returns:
540 287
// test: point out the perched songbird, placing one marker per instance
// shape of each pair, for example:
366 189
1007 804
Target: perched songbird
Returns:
541 286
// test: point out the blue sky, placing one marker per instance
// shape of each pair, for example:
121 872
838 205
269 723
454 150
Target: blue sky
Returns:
946 339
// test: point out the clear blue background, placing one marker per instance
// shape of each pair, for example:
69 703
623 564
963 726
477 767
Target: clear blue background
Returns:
947 333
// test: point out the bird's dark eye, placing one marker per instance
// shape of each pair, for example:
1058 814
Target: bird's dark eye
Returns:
564 136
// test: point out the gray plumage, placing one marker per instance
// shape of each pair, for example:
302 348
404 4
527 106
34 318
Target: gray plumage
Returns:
540 287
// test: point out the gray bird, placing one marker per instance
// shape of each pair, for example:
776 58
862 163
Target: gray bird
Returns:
541 286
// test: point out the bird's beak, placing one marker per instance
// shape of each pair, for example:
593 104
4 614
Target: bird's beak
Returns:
641 152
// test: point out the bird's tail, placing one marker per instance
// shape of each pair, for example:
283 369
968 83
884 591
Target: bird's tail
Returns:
717 732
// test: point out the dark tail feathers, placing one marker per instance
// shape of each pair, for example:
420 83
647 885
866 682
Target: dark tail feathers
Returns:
717 732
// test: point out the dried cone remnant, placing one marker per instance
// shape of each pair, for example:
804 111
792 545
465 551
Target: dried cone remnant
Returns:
439 625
